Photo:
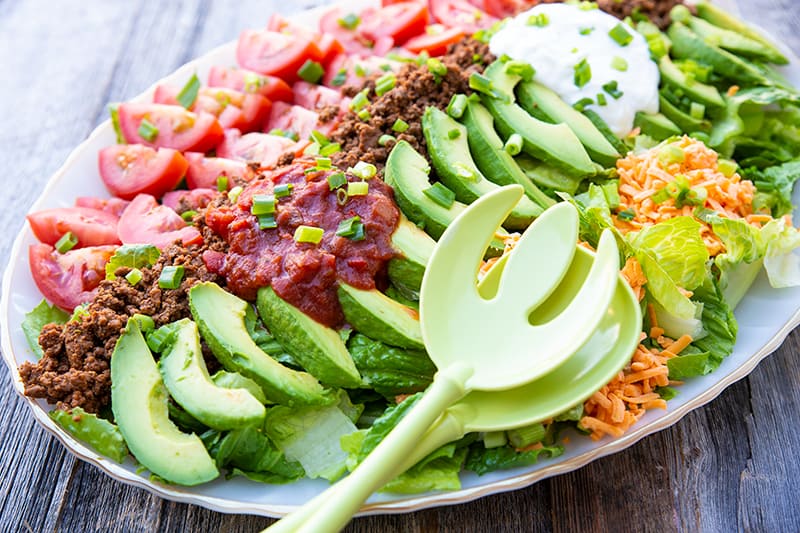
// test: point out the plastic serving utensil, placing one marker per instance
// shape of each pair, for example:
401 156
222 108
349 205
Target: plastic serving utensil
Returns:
591 367
459 327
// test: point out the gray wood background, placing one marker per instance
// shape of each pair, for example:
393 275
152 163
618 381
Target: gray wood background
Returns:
731 465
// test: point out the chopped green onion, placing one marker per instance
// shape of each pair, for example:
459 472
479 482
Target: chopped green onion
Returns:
323 163
187 96
525 436
233 194
457 105
263 204
253 82
480 83
188 216
586 31
696 196
171 277
147 130
288 134
521 69
341 196
222 183
582 73
494 439
330 149
621 35
477 58
113 110
357 188
697 110
581 104
587 6
359 101
440 194
400 125
671 154
134 276
612 90
336 180
364 115
513 145
349 21
319 138
146 323
619 63
575 50
385 83
540 20
311 71
386 67
383 140
435 66
158 340
66 243
310 234
626 215
363 170
351 228
283 190
340 77
727 167
463 171
601 99
360 70
267 222
453 134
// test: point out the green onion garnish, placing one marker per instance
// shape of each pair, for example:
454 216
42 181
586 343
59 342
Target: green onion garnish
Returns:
147 130
288 134
336 180
222 183
253 82
364 115
626 215
521 69
66 243
400 125
188 216
441 195
727 167
357 188
383 140
319 138
479 82
330 149
340 77
349 21
134 276
621 35
581 104
146 323
341 196
158 340
171 277
359 101
385 83
582 73
453 134
113 110
540 20
619 63
463 171
267 222
283 190
363 170
601 99
457 105
435 66
311 71
586 31
188 94
263 204
323 163
233 194
697 110
612 90
308 234
360 70
513 145
671 154
351 228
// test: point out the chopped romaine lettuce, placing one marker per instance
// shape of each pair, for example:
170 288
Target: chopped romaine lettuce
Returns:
677 247
132 256
97 432
249 452
482 460
36 319
390 370
774 185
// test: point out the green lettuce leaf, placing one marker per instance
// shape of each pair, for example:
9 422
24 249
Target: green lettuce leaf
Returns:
774 185
132 256
678 248
390 370
36 319
482 460
249 452
102 435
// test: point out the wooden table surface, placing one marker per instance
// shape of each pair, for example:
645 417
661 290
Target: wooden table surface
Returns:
731 465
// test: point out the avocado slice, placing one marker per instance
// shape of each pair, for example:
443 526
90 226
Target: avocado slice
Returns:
656 125
318 348
555 144
139 402
220 318
490 156
415 248
603 128
723 19
377 316
547 176
535 96
707 95
686 44
683 120
735 42
187 380
449 151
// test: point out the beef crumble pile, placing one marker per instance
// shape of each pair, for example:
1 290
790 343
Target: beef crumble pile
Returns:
415 89
75 371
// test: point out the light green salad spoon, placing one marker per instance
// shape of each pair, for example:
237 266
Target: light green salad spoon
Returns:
460 327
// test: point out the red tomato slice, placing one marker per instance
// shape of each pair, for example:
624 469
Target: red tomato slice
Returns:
504 8
203 171
175 127
250 82
312 96
130 169
462 14
355 69
263 148
294 119
400 21
274 53
180 201
115 206
352 40
435 40
146 222
70 279
92 227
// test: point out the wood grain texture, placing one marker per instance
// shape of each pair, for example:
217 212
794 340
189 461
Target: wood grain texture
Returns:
731 465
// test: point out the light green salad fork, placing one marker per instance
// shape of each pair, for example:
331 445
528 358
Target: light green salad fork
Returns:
460 328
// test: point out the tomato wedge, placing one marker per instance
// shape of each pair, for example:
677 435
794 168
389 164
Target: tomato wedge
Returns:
130 169
462 14
312 96
262 148
400 21
351 39
505 8
233 109
92 227
436 39
147 222
170 126
70 279
247 81
180 201
114 206
295 120
275 53
203 171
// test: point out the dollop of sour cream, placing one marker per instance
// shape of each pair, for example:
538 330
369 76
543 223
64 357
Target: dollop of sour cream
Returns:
556 38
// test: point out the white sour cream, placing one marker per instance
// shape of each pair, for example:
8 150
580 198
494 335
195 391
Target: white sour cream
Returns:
572 34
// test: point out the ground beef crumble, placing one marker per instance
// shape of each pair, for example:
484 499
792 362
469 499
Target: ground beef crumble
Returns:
74 371
656 10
